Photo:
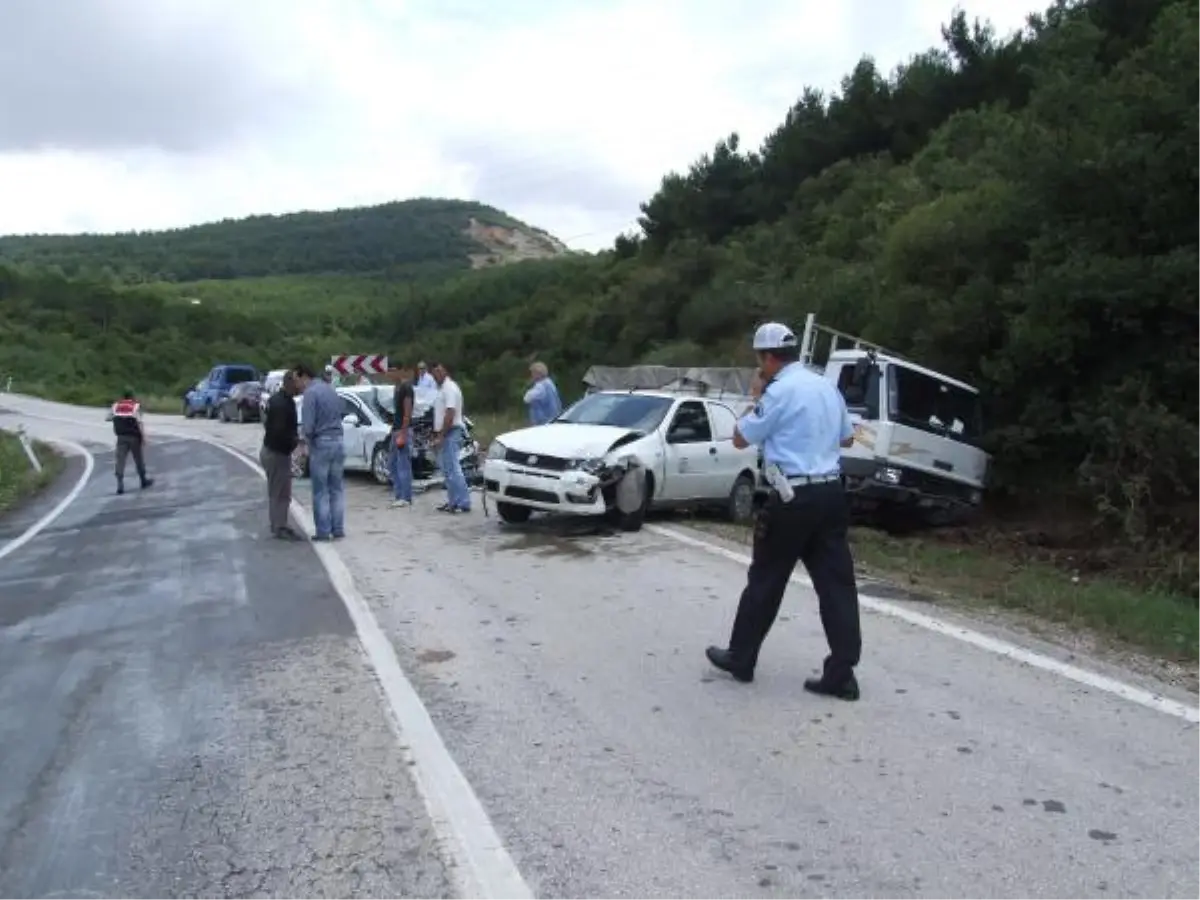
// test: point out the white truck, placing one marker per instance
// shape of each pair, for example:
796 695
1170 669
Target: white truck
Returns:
916 456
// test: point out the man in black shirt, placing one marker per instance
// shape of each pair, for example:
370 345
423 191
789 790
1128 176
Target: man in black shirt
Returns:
401 460
280 437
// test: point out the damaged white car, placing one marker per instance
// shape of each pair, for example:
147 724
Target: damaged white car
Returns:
620 453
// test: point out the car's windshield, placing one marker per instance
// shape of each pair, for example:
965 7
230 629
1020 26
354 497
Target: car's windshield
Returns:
237 375
636 411
930 404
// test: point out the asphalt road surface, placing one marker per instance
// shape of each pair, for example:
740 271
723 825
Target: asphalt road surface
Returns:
173 723
564 669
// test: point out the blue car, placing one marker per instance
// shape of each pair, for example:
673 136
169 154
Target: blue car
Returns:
206 397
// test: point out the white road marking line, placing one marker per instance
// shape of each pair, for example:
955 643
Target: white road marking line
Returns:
982 641
480 863
36 528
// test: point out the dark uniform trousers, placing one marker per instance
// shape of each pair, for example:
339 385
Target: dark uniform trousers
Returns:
130 445
812 528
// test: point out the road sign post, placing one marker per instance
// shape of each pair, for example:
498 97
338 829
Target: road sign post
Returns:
362 364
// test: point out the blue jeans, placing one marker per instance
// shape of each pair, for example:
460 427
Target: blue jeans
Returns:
458 495
401 469
326 461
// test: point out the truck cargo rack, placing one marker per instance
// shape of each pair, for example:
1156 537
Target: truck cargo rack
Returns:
814 333
726 383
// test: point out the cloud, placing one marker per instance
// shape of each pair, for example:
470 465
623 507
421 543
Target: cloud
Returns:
138 114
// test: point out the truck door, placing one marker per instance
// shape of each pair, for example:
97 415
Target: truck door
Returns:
690 452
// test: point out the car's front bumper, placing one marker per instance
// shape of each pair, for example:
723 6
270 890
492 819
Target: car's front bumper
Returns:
573 491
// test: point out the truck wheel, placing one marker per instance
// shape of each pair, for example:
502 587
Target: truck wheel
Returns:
740 507
513 514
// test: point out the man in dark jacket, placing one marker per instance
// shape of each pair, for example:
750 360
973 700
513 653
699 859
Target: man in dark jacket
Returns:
126 416
280 438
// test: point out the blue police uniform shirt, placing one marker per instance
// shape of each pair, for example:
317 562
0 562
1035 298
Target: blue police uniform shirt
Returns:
799 422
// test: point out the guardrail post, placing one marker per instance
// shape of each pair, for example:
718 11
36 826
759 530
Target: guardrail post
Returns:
27 446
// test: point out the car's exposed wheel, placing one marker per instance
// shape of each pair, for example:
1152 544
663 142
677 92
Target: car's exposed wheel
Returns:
513 514
632 521
740 506
379 464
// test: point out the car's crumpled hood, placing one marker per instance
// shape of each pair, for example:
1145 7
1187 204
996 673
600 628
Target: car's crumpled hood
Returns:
565 440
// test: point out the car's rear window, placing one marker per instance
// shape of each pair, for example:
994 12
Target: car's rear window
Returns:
238 375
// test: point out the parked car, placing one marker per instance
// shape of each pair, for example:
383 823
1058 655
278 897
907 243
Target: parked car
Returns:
206 397
365 433
272 382
242 403
683 445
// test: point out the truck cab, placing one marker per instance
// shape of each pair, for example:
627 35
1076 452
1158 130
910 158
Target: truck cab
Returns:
916 453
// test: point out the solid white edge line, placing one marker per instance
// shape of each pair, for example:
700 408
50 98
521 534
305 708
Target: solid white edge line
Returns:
984 642
479 863
89 463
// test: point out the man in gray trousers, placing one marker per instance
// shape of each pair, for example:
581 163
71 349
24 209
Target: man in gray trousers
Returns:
280 438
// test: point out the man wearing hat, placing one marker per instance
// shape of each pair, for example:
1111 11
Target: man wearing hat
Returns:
800 422
131 438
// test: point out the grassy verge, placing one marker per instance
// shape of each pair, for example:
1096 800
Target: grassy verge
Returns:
489 425
1158 623
161 403
18 479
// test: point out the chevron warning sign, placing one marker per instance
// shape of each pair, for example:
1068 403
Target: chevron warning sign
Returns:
363 364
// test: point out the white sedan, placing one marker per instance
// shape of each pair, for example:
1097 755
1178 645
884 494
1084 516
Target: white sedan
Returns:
676 450
365 435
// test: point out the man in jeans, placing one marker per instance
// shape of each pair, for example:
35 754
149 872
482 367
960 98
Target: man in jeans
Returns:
448 439
401 458
279 442
321 418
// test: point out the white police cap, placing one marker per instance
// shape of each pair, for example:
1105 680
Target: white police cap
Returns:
774 336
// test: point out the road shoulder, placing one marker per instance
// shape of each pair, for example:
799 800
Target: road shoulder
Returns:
64 471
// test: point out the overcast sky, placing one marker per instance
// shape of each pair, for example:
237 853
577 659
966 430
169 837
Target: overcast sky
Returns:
141 114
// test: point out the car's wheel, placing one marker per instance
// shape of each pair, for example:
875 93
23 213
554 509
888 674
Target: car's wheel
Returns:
241 415
513 514
740 507
187 410
379 464
633 521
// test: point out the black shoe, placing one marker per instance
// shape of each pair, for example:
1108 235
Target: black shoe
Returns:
120 487
147 482
723 660
846 689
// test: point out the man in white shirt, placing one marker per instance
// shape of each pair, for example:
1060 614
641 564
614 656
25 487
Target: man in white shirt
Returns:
424 381
448 437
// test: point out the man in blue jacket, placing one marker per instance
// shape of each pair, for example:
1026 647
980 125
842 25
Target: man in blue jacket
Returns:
542 397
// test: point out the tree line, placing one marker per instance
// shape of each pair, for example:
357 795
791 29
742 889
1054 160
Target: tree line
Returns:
419 238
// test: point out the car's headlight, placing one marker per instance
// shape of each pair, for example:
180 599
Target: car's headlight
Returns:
496 450
591 465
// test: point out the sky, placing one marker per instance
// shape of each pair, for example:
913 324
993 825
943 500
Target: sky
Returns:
120 115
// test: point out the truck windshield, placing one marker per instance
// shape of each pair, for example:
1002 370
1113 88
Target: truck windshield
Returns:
930 404
636 411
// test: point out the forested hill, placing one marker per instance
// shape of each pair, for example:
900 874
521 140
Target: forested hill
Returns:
427 237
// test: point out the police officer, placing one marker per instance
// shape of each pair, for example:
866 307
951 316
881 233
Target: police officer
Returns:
127 425
800 423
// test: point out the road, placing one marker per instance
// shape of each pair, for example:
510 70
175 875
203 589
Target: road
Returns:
565 674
